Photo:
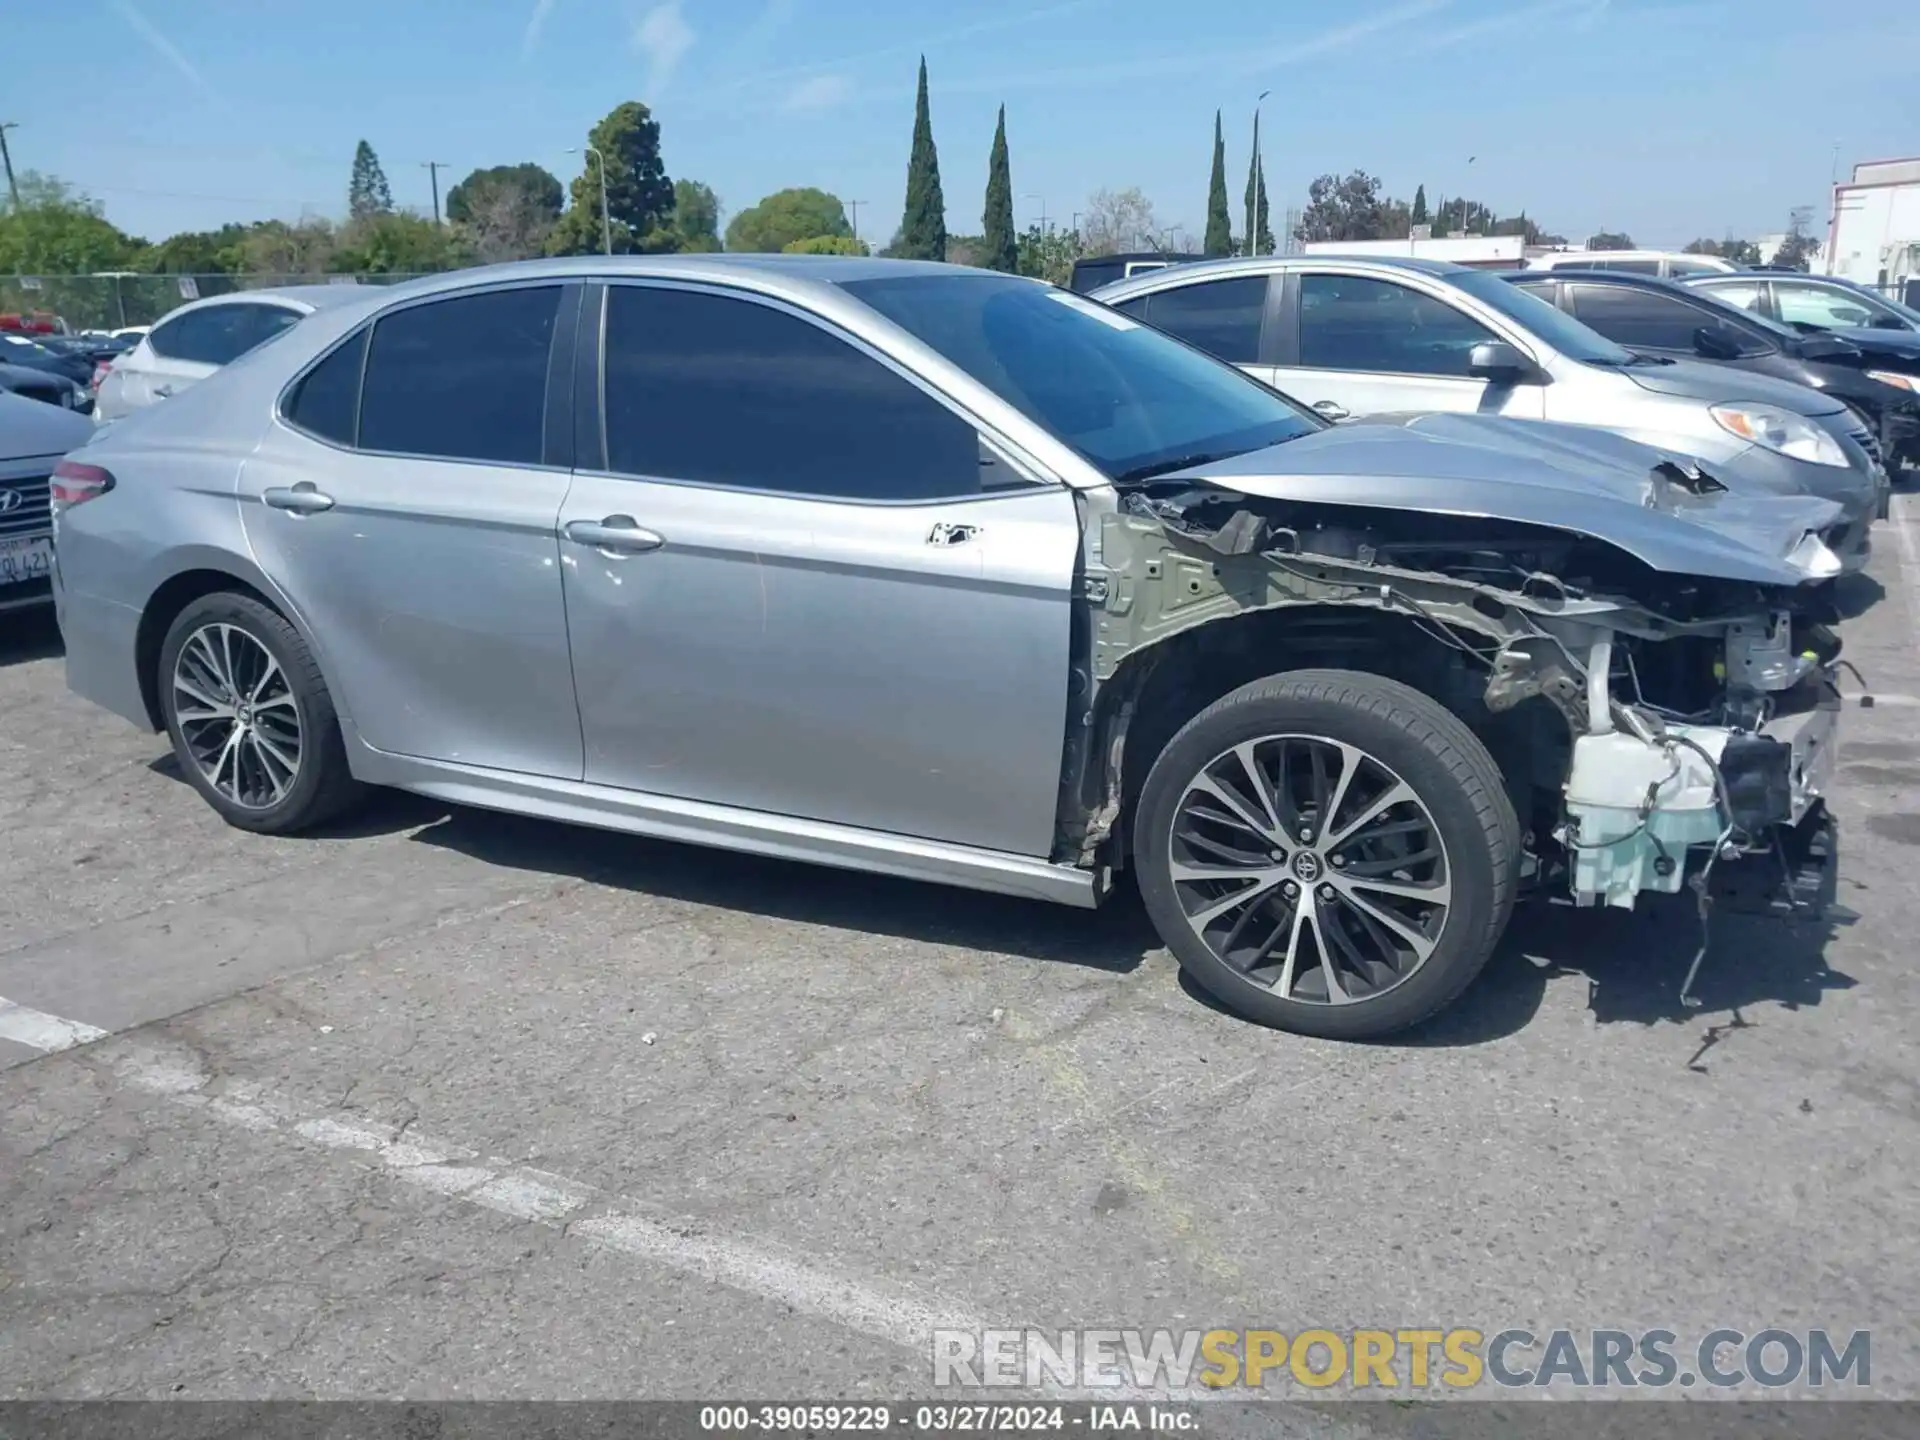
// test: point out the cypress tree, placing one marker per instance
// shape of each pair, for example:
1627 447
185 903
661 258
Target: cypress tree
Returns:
367 191
1420 215
1219 223
923 228
1001 249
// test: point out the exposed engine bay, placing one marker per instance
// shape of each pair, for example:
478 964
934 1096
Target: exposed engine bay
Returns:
1651 727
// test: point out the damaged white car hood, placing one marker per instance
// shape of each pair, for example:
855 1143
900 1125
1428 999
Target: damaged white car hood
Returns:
1593 483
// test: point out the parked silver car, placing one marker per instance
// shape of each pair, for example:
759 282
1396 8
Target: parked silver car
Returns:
193 341
33 437
956 576
1354 337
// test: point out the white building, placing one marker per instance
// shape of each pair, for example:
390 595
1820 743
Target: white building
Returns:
1874 238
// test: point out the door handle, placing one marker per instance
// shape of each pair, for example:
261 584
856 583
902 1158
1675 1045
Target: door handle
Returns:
163 391
947 533
615 535
1330 410
301 499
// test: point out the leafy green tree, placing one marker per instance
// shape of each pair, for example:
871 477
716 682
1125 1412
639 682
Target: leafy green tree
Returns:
1610 240
1001 247
696 215
273 247
1796 252
923 228
57 230
197 252
400 243
1348 208
533 186
825 245
786 216
367 190
639 205
1740 252
1049 254
1440 213
1219 239
1418 215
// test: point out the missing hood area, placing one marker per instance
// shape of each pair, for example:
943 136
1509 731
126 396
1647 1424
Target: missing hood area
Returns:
1650 726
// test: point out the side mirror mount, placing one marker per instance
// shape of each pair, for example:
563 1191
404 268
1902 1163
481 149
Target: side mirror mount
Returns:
1503 364
1712 343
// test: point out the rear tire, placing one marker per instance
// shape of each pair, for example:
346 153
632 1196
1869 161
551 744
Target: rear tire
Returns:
252 724
1381 813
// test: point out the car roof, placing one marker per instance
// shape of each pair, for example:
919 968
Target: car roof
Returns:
806 278
1194 270
304 297
1624 279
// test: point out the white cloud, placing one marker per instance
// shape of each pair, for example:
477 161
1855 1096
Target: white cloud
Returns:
535 23
818 92
663 37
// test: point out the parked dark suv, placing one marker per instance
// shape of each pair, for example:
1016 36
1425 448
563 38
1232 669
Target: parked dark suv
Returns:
1668 318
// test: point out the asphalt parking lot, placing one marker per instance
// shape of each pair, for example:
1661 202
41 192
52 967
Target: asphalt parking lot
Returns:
456 1105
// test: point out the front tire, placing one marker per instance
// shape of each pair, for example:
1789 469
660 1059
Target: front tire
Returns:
1328 852
252 724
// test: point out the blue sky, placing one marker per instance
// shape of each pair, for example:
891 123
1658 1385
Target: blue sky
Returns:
1666 118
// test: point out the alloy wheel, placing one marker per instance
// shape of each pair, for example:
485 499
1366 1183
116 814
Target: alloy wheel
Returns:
1310 868
237 715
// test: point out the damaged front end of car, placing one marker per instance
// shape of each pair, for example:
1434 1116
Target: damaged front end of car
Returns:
1652 671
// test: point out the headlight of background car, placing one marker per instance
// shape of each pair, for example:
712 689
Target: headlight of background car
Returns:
1899 382
1782 432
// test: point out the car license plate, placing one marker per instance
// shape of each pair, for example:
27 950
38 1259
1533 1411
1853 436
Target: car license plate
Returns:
28 559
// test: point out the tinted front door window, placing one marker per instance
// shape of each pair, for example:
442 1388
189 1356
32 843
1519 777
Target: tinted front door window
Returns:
1348 322
216 335
1221 317
461 379
1638 319
726 391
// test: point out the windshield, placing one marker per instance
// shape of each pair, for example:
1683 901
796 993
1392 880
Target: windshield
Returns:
1129 399
1537 317
20 348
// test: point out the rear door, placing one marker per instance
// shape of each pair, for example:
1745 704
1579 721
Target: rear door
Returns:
410 520
1367 345
799 583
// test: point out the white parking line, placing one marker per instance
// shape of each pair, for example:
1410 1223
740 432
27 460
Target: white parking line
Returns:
1903 522
583 1212
38 1030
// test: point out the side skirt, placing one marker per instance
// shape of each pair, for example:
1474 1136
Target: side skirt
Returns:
725 827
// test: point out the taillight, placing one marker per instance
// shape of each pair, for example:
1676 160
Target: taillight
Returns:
100 369
75 484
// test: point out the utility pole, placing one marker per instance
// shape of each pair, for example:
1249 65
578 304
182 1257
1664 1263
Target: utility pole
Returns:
433 169
1043 210
854 206
13 186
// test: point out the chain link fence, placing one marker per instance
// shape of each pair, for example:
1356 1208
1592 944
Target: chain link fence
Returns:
112 302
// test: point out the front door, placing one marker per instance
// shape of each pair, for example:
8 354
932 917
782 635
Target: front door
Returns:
801 585
420 548
1369 346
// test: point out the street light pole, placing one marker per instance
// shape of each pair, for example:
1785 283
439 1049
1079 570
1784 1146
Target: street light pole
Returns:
854 206
606 215
1043 210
